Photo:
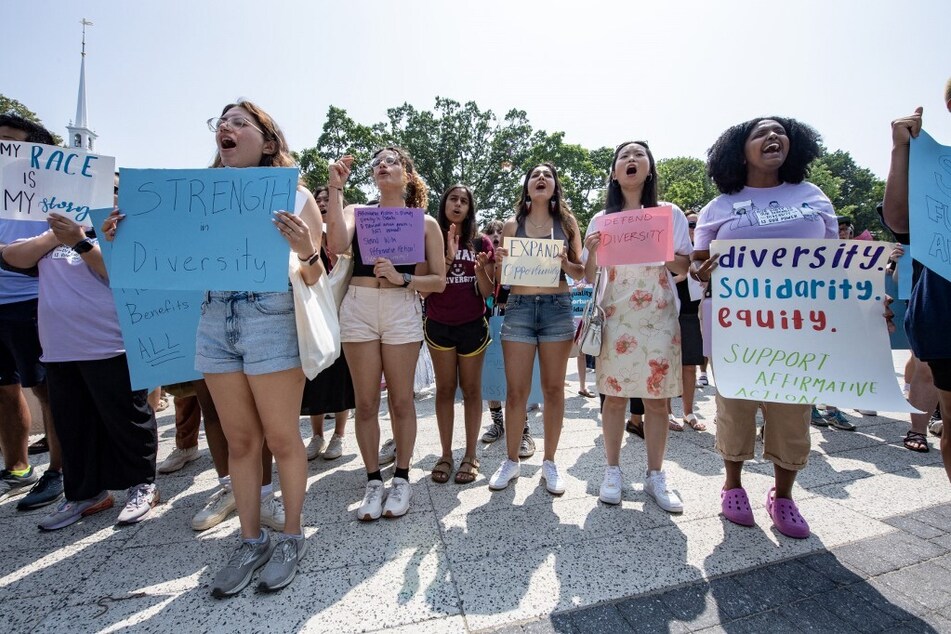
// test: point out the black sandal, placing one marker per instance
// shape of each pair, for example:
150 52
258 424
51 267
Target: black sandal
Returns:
916 441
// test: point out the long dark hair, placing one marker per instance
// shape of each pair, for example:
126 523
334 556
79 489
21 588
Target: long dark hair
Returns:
557 208
467 234
615 197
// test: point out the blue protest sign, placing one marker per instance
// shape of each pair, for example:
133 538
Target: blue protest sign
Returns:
904 268
929 203
580 295
898 340
493 370
203 229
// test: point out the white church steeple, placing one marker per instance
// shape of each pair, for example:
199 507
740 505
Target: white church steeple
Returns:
79 134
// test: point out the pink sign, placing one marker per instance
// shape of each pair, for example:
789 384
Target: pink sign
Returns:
636 236
394 233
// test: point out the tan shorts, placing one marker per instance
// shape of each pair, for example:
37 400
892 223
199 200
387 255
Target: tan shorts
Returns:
785 435
390 315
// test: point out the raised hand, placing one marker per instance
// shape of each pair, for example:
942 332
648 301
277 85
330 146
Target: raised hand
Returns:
339 171
906 128
65 230
111 224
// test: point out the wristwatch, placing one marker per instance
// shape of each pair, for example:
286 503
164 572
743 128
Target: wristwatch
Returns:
407 278
83 246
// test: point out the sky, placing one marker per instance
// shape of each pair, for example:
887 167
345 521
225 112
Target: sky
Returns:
675 73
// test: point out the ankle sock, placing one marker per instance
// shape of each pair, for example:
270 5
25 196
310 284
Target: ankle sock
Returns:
225 481
374 475
20 472
260 539
401 473
267 489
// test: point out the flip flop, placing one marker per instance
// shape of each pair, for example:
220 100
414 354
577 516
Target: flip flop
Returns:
468 471
441 471
691 420
674 424
586 393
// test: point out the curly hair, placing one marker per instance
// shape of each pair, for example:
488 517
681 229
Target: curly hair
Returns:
35 133
415 192
615 197
726 159
493 226
468 232
272 132
557 207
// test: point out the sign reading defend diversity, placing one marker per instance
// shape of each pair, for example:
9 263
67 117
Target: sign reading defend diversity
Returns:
158 328
493 368
203 229
394 233
41 179
532 262
801 321
636 236
929 203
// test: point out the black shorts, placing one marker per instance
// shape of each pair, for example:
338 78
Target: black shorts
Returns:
20 345
941 373
467 340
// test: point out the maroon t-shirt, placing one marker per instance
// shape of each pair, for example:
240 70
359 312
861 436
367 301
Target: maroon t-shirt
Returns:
460 303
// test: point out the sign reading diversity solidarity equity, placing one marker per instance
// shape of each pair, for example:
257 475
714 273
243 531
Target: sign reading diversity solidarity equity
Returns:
493 369
637 236
800 321
203 229
929 203
41 179
158 327
394 233
532 262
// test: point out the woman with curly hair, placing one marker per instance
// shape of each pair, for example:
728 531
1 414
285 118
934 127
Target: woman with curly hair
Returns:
539 319
381 323
640 345
760 166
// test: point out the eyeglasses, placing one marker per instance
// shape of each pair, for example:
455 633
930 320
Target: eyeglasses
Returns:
235 123
389 159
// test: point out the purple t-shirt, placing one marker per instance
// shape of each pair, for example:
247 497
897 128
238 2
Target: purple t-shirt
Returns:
16 287
76 313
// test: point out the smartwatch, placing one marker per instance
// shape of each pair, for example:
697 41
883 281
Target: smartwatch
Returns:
407 278
83 246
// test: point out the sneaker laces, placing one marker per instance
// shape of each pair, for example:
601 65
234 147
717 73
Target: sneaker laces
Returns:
612 477
137 495
272 505
286 550
372 493
397 489
551 470
659 479
242 554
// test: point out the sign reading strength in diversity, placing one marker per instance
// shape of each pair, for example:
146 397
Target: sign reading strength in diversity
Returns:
41 179
203 229
637 236
800 321
394 233
532 262
929 203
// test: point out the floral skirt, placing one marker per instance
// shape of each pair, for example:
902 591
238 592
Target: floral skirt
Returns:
640 350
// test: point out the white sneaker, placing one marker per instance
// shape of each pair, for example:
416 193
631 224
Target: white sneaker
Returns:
139 501
553 480
334 448
315 446
656 487
178 459
372 506
272 512
611 486
867 412
388 452
397 498
219 506
506 472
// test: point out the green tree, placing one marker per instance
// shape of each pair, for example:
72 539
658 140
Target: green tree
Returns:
8 104
854 190
684 182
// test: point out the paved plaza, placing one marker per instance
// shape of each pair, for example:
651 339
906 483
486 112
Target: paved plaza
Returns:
520 560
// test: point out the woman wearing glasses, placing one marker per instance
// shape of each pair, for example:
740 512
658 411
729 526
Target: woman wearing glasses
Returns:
381 324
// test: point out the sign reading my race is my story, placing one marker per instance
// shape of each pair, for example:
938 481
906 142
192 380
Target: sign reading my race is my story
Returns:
636 236
929 203
800 321
203 229
394 233
532 262
39 179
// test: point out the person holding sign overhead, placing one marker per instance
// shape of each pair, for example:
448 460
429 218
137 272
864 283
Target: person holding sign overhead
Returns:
760 167
538 318
640 346
381 323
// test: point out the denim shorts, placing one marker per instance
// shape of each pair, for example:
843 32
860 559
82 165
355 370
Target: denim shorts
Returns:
252 333
538 318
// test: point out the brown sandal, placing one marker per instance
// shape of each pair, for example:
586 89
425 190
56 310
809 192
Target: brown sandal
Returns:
916 441
468 471
441 471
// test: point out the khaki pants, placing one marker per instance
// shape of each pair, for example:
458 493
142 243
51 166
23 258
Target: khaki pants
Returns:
785 436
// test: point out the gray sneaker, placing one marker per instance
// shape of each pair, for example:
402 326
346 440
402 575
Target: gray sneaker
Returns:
236 574
388 452
281 569
11 485
526 448
496 430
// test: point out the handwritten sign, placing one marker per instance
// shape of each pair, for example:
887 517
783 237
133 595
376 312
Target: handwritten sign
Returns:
929 203
532 262
39 179
493 369
158 327
637 236
203 229
800 321
394 233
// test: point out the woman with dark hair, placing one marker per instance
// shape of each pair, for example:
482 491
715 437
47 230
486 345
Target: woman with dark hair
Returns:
331 390
381 325
640 345
456 329
539 319
760 167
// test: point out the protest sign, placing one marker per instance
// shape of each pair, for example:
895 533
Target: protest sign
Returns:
203 229
929 203
41 179
800 321
905 269
636 236
580 295
899 338
158 327
532 262
493 369
394 233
